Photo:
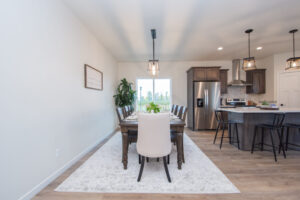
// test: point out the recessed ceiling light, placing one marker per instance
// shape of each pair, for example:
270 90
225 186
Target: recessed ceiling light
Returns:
259 48
220 48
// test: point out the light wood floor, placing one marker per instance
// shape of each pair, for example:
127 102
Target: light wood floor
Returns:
257 176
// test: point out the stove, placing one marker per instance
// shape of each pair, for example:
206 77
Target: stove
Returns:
238 102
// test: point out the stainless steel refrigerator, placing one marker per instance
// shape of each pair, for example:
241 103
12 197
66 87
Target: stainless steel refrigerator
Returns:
206 97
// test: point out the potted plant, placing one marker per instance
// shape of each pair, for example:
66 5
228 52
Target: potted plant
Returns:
125 95
152 107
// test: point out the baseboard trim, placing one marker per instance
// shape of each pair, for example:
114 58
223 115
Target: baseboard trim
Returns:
35 190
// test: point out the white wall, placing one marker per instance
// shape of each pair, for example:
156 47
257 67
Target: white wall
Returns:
279 66
176 71
43 104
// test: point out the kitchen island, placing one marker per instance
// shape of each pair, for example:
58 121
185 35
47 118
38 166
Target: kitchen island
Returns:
248 117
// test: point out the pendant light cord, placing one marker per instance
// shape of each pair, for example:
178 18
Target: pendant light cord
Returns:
153 51
294 44
249 44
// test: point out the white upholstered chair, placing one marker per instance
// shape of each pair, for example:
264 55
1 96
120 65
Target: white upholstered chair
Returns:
154 138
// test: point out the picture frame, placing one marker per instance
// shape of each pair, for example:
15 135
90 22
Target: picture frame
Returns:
93 78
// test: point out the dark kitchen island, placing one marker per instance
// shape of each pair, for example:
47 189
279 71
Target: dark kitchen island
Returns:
249 117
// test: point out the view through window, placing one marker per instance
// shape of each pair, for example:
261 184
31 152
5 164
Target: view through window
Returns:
153 90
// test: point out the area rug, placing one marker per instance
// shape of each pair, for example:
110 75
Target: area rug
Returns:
103 173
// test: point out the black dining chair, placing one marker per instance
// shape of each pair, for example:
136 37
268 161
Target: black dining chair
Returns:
222 123
132 134
275 127
172 108
175 109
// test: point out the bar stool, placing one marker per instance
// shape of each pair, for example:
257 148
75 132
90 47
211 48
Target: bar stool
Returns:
288 126
223 123
276 126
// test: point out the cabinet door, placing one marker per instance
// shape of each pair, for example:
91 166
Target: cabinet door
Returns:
199 75
223 80
258 80
212 74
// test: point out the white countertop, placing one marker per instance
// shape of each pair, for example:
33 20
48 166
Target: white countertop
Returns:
257 110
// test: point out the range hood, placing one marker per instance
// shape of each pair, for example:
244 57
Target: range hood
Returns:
236 75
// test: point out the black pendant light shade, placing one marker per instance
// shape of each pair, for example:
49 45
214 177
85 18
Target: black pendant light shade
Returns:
153 67
294 62
249 63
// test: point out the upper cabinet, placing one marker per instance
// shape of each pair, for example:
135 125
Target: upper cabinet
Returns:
224 80
257 78
205 73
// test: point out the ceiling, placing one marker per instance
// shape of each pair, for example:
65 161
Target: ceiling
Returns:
190 30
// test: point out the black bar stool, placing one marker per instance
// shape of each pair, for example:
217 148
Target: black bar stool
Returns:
288 126
276 126
222 123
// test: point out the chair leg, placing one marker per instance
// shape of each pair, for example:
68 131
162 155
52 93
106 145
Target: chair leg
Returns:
141 169
262 139
237 135
139 159
287 138
229 133
147 158
274 151
280 143
253 141
169 159
223 128
183 160
157 159
217 132
166 168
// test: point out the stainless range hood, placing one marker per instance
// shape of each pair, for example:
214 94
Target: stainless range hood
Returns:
236 75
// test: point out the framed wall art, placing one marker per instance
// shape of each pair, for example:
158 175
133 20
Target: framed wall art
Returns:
93 78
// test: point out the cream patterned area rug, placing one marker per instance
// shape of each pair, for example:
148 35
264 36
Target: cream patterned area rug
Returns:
103 173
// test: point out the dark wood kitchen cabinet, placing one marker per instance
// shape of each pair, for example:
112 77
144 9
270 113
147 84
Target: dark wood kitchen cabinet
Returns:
224 80
205 73
257 78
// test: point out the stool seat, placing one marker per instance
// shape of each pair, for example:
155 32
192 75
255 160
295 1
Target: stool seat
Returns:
290 125
270 126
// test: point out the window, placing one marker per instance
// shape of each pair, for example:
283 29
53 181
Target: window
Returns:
153 90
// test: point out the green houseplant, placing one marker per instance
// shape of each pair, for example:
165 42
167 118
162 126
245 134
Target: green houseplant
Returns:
154 107
125 95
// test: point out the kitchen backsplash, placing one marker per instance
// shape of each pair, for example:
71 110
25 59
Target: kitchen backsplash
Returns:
240 92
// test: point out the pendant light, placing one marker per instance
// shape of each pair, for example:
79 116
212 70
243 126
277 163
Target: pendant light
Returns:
294 62
153 68
249 63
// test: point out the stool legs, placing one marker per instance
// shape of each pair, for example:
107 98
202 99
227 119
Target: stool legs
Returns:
223 129
280 143
287 138
253 141
262 139
217 132
274 151
237 135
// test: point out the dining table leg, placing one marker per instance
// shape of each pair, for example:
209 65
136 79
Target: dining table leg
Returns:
179 149
125 149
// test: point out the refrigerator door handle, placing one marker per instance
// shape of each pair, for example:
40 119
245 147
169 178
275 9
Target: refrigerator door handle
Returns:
206 98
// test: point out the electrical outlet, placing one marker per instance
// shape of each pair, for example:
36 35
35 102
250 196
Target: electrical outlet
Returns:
57 152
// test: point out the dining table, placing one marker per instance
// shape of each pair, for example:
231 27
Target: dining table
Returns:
130 124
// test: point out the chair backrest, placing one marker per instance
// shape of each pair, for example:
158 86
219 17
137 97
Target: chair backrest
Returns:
154 138
219 115
175 110
125 111
172 108
184 113
120 114
180 110
278 120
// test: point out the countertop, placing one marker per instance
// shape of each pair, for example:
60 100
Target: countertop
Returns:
257 110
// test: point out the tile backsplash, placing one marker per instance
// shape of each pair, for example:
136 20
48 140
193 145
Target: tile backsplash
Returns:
240 92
